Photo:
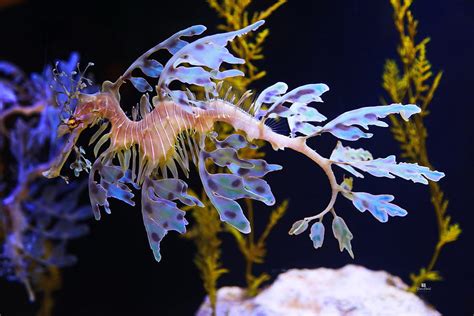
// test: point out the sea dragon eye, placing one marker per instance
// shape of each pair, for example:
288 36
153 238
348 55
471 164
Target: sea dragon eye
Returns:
72 122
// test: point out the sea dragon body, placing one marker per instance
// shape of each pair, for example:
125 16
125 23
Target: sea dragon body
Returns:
157 132
174 125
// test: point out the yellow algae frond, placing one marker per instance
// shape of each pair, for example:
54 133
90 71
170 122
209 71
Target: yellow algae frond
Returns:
414 82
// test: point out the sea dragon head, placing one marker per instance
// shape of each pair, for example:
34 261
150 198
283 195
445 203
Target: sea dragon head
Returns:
89 110
72 92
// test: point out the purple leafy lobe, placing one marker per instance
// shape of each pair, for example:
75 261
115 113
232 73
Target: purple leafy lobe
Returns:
349 158
378 205
244 182
151 68
298 114
259 168
344 126
160 214
141 84
226 156
270 95
317 234
342 234
235 141
113 183
208 52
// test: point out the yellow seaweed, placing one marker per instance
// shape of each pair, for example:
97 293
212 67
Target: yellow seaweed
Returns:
416 83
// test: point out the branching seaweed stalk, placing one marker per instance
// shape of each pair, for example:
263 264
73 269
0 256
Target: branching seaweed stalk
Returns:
204 233
415 84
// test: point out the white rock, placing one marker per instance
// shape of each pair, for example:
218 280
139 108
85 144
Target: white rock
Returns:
352 290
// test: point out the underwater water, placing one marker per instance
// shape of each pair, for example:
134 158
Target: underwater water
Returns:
341 44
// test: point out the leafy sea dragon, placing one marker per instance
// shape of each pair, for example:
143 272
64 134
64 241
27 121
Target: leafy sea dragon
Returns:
172 129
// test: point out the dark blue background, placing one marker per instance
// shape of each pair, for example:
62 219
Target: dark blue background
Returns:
341 43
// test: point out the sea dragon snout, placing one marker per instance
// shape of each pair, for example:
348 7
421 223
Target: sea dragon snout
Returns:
83 116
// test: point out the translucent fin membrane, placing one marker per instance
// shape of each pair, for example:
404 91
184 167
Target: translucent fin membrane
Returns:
160 213
298 114
210 52
224 189
349 158
113 183
196 63
344 126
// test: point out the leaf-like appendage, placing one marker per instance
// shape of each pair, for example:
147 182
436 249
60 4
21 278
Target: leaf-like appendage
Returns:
151 68
342 234
378 205
297 124
228 156
141 84
298 114
235 141
194 75
237 187
98 197
269 96
223 189
302 95
317 234
381 167
343 126
113 183
160 214
259 169
298 227
181 98
174 43
174 189
303 113
209 52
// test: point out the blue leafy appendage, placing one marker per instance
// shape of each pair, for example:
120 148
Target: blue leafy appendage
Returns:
160 213
196 63
298 114
347 126
349 158
378 205
244 181
344 126
209 52
113 183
